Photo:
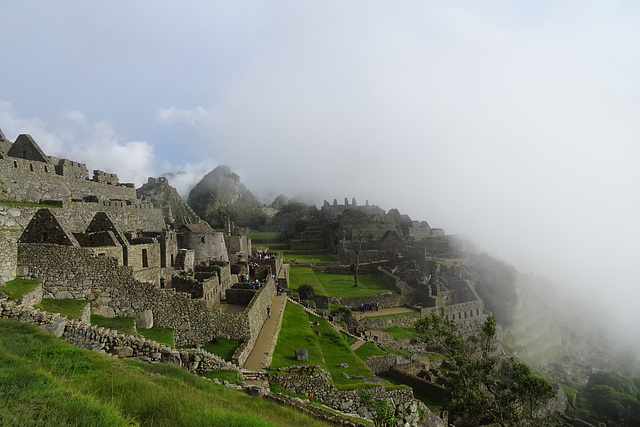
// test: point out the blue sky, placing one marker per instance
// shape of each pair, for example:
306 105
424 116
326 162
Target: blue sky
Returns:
516 123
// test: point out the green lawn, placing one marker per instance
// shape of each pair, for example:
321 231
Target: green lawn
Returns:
18 287
159 335
296 334
47 382
123 325
369 349
342 285
300 275
72 308
327 348
223 347
401 333
337 284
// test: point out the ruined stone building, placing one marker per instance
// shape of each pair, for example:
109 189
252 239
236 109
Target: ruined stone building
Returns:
97 241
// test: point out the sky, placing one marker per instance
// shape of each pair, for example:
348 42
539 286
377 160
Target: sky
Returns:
514 123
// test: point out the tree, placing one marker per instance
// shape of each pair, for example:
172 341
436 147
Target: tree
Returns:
306 291
352 224
480 385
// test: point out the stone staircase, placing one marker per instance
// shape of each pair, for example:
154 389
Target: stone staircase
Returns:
254 375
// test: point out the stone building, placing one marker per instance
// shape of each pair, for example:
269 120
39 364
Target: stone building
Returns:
206 243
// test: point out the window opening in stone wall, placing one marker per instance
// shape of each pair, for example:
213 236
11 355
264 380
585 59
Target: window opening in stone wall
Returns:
44 236
202 240
172 264
145 261
15 164
30 167
46 170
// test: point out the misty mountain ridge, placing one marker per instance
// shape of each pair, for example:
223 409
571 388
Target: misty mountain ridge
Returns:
548 329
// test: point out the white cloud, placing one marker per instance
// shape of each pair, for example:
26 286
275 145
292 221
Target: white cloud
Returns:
70 135
172 115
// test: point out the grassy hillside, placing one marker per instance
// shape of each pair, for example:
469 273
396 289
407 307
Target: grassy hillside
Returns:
45 381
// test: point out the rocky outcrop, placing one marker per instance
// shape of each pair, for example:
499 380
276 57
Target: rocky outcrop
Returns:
166 198
220 194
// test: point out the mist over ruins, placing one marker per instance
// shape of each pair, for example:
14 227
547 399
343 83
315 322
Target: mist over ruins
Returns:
194 268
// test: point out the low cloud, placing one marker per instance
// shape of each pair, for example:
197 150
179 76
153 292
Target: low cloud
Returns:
68 134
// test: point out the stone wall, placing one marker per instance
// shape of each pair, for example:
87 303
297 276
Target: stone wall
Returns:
8 254
82 335
76 216
33 181
385 301
238 244
348 400
381 323
69 272
256 314
206 246
383 364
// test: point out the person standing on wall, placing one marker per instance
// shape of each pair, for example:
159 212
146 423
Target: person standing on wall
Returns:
269 311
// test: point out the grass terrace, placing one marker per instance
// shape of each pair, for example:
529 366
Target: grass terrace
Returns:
18 287
326 349
72 308
338 284
223 347
124 325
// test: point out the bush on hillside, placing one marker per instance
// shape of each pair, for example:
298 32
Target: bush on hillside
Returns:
306 292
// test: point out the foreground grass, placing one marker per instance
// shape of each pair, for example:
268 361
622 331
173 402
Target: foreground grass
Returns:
18 287
45 381
72 308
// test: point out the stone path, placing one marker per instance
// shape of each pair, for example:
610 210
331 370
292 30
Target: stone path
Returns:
255 361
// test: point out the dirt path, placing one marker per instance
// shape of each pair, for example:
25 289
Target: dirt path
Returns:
255 361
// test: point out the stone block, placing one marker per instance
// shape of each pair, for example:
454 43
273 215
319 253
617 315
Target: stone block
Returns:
123 352
105 311
64 295
302 355
144 319
56 327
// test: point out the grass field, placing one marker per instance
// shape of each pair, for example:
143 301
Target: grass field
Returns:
327 348
337 284
401 333
47 382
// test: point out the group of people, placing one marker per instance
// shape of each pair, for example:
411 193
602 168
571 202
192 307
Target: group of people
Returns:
264 255
369 306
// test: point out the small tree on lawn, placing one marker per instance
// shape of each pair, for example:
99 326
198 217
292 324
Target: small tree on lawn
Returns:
353 223
306 292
